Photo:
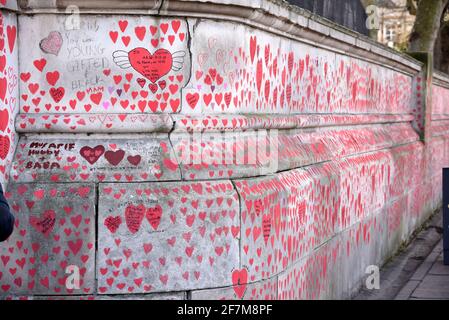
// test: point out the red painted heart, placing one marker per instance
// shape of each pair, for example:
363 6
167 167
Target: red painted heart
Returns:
75 246
2 63
154 216
113 223
92 154
133 217
45 223
239 281
114 157
266 227
57 94
4 147
3 87
134 160
12 35
151 66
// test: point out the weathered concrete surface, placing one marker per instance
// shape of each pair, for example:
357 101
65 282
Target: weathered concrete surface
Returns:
9 94
54 229
95 158
166 236
439 100
140 65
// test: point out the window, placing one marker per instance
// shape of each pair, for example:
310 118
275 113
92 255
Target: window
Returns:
390 33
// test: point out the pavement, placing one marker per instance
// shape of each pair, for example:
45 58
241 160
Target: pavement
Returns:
430 280
417 272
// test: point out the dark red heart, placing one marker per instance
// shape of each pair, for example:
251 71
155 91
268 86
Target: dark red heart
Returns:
92 154
113 223
134 160
154 216
44 223
114 157
133 217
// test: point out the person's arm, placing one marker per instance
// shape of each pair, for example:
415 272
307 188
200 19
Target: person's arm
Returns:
6 218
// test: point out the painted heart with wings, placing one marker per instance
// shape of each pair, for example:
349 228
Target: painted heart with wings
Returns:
151 66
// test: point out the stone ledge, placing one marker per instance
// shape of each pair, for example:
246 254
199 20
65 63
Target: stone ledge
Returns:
93 123
440 127
441 79
9 5
165 123
440 117
150 296
164 156
225 122
148 5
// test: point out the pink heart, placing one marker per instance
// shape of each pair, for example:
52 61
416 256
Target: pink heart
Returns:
52 44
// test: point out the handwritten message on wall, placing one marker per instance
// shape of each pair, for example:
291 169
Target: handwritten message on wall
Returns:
8 91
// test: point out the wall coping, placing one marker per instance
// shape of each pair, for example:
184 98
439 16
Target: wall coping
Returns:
166 123
275 16
10 5
441 79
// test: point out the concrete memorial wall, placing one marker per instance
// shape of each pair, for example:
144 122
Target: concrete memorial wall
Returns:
208 151
9 83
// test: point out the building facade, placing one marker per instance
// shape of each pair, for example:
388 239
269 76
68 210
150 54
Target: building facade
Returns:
395 23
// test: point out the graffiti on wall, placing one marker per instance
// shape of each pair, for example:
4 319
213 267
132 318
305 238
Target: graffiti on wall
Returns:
71 160
239 154
292 234
55 229
168 236
8 91
286 217
261 73
141 68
